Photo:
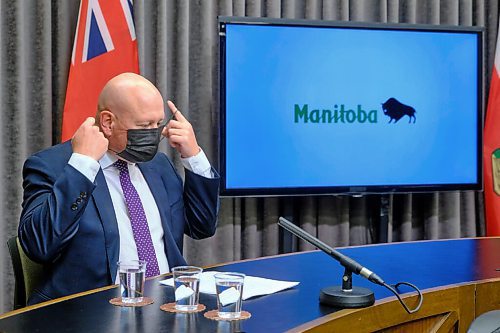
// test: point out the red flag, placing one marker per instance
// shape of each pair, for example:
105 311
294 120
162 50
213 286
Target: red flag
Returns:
492 151
105 45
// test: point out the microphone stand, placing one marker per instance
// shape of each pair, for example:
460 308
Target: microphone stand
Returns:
344 296
347 296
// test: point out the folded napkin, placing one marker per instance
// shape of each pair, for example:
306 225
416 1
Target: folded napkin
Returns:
253 286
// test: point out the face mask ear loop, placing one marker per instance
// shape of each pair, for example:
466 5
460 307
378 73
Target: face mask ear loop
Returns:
166 123
115 119
162 127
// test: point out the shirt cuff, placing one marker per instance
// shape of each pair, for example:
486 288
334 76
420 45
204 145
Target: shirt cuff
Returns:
198 164
85 164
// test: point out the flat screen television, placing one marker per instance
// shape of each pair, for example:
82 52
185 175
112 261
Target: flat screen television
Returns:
317 107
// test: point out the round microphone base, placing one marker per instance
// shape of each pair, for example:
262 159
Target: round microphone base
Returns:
358 297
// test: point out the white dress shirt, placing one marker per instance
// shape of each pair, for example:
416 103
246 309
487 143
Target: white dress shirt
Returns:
198 164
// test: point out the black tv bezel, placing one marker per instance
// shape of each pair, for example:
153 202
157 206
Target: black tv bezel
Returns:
346 190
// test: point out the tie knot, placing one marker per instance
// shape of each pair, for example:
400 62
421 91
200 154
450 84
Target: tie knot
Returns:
121 165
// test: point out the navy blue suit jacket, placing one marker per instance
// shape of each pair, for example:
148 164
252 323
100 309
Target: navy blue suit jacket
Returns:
68 222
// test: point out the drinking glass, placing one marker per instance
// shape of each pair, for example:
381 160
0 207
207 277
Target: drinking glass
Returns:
132 274
229 288
187 285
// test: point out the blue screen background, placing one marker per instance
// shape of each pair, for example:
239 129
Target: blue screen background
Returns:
269 69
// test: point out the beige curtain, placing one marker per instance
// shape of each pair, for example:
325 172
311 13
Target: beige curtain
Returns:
178 50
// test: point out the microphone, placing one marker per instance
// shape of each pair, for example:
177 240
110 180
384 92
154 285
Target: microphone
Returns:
346 296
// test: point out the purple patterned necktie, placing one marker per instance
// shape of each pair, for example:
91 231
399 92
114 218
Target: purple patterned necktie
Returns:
140 228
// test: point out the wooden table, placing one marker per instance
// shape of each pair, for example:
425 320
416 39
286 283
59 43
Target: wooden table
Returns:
460 278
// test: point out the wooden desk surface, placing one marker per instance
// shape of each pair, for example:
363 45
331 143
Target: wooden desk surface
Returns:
427 264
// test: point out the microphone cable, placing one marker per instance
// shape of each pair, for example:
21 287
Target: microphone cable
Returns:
394 289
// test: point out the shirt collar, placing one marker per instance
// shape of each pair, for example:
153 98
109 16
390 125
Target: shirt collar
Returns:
108 159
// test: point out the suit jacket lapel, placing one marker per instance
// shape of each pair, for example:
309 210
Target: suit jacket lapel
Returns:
102 201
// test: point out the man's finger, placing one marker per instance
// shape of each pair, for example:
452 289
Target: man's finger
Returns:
177 131
176 124
164 132
176 113
90 121
172 108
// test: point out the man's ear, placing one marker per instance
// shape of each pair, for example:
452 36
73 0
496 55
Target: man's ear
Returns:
106 120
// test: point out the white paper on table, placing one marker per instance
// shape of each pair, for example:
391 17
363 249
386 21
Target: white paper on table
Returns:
253 286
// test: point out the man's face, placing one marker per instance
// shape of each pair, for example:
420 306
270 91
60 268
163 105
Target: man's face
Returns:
143 113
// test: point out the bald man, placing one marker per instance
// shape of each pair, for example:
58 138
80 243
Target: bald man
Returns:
108 195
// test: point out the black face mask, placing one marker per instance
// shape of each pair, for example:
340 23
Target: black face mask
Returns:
142 144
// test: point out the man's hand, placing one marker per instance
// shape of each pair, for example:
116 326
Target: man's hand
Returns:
88 140
180 134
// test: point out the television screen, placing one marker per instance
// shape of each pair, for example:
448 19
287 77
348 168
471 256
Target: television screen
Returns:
312 107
